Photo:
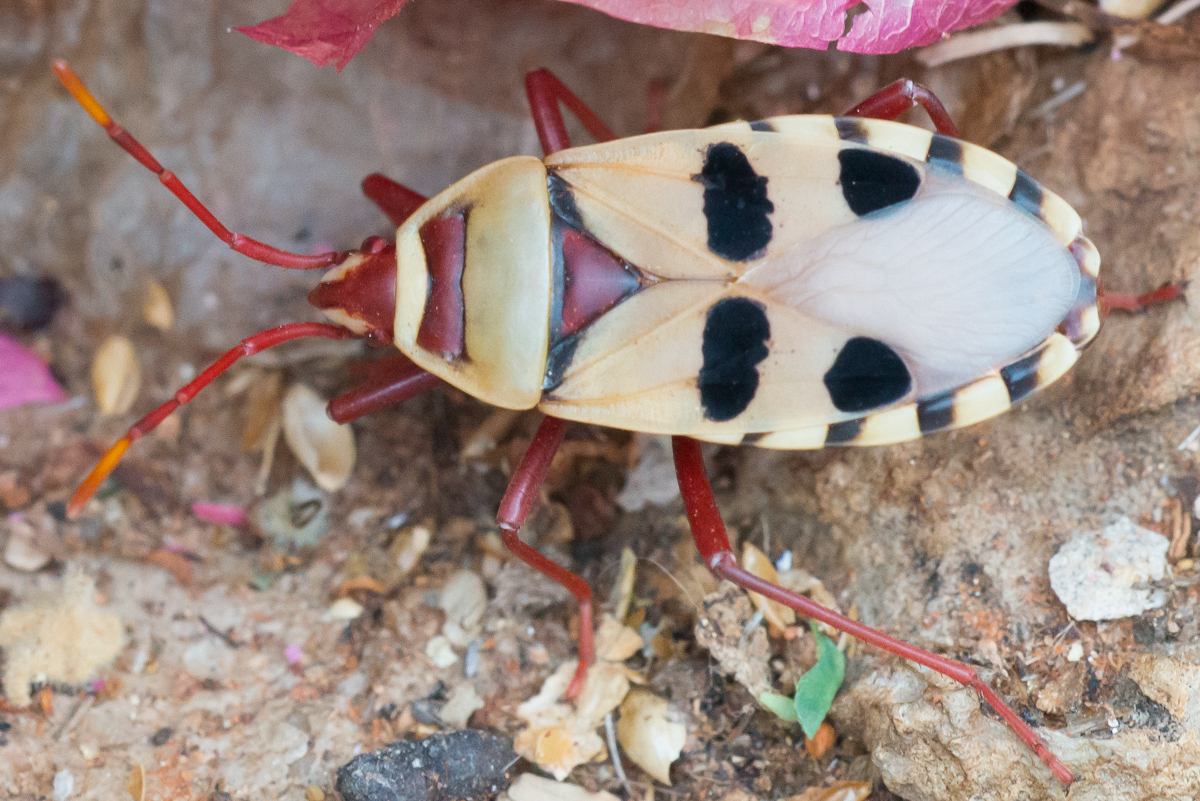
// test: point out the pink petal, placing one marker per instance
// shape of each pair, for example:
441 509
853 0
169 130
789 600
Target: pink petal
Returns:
293 654
225 513
24 378
799 23
889 26
325 31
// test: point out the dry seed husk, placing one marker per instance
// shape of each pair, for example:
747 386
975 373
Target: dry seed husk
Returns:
116 375
156 307
324 447
262 410
650 733
758 563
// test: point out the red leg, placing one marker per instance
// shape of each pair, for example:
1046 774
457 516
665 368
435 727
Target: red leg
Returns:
545 92
241 244
654 100
517 503
1138 303
260 341
709 533
397 200
390 380
896 98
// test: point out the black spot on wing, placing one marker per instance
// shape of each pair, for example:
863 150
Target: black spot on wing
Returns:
866 374
936 412
946 153
851 129
735 341
765 126
1027 194
735 204
872 181
843 432
1021 377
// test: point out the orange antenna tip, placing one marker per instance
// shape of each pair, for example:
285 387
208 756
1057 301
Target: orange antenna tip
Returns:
95 478
71 81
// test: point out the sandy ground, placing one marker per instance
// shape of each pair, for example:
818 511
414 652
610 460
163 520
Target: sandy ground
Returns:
944 541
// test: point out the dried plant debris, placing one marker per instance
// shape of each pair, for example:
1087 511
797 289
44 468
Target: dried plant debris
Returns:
742 653
293 518
1104 576
57 635
651 733
156 307
442 767
325 448
561 736
116 375
529 787
776 614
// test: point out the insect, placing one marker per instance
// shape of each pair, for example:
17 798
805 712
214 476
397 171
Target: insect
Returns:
796 282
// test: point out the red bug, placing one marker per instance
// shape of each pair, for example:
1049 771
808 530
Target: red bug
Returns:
360 292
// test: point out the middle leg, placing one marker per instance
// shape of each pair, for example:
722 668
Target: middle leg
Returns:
514 509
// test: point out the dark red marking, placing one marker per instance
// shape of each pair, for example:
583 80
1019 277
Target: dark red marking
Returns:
896 98
709 532
444 240
390 380
367 292
594 281
518 501
397 201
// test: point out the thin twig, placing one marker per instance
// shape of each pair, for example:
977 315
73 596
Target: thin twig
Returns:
611 732
232 643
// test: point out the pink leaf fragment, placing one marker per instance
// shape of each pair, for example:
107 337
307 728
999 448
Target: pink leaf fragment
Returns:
889 26
223 513
24 378
325 31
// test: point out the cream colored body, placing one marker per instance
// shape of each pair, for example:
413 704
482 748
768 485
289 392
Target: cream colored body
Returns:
636 367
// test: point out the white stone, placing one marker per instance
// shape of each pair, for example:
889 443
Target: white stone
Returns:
64 785
440 653
1094 574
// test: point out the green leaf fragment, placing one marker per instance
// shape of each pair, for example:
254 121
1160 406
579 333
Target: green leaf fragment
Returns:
816 688
781 705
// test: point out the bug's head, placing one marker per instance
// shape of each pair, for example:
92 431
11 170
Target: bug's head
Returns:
360 293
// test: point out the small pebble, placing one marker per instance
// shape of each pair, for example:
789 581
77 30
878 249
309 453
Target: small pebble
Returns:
1075 652
64 785
440 653
314 793
1105 576
441 767
342 609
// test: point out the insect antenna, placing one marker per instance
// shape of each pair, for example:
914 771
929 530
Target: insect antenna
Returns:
252 344
238 242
